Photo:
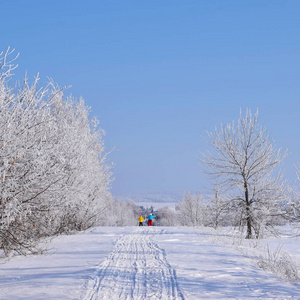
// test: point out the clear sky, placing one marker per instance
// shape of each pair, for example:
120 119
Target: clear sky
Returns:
158 73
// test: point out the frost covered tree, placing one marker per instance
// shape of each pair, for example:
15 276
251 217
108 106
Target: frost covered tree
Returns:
192 210
53 171
294 204
219 210
86 176
123 213
166 217
243 163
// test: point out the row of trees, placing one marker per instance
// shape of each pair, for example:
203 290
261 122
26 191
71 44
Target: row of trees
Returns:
49 147
249 191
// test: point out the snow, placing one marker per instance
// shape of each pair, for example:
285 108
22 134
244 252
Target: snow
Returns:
207 268
136 269
61 272
148 263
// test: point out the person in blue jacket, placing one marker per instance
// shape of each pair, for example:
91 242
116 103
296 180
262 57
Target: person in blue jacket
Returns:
150 218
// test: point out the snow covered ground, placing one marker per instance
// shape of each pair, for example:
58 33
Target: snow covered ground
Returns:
136 269
149 263
211 265
62 271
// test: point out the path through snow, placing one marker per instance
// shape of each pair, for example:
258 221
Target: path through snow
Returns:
125 262
136 269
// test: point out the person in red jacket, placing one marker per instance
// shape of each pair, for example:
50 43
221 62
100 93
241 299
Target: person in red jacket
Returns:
150 218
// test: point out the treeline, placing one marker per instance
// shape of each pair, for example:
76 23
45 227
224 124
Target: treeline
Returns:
53 172
249 189
196 210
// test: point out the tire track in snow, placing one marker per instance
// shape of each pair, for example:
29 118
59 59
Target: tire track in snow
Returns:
136 269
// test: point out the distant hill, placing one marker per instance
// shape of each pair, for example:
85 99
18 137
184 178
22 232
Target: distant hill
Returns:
152 198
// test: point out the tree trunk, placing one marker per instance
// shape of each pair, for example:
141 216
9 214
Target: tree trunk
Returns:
248 216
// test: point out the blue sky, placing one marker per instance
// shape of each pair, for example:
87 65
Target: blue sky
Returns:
158 73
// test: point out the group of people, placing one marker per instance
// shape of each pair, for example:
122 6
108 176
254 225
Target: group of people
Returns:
150 218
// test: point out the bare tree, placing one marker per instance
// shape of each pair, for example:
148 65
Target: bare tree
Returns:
219 209
166 217
193 210
243 163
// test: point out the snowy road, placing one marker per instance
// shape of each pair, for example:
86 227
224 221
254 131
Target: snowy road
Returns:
138 263
136 269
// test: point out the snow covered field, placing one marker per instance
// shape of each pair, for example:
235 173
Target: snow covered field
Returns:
149 263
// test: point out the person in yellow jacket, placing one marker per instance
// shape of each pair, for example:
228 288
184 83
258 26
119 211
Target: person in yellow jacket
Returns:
141 219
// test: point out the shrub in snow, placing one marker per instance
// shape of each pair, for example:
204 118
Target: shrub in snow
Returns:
279 263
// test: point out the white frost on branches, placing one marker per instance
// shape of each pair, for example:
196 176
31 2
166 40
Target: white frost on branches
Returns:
6 63
53 172
243 164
